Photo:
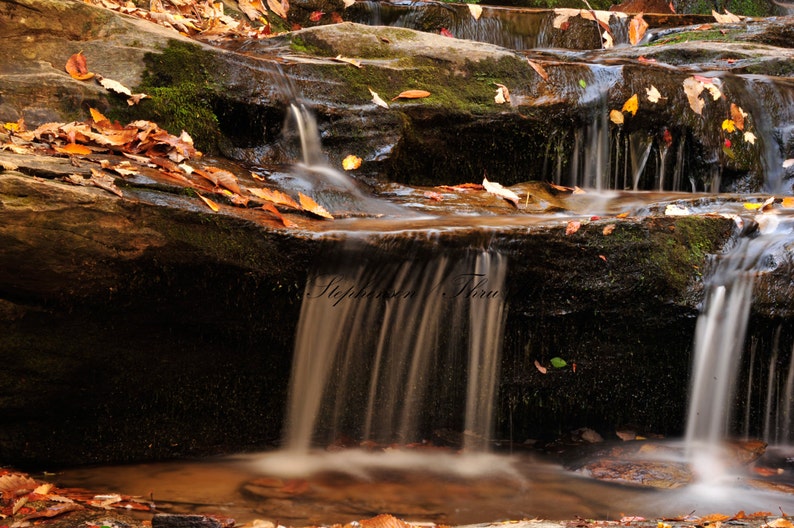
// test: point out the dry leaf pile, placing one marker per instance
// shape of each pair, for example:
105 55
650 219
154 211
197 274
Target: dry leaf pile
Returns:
148 151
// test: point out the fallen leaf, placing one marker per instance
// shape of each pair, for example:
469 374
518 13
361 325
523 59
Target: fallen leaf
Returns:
225 179
738 115
693 89
253 9
558 362
352 62
475 10
538 69
608 229
316 16
541 368
77 67
582 83
502 94
313 207
412 94
602 257
653 94
749 137
606 40
645 60
622 215
497 189
637 28
616 117
105 181
97 116
434 196
269 207
74 149
274 196
788 202
351 162
572 227
674 210
377 100
280 8
212 205
631 105
727 18
729 126
446 33
114 86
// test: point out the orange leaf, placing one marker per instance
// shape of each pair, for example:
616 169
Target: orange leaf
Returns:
637 28
572 227
540 367
351 162
788 202
313 207
539 69
224 178
279 8
608 229
97 116
74 149
269 207
273 196
212 205
737 116
77 67
412 94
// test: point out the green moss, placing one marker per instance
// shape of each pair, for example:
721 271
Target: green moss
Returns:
183 93
711 35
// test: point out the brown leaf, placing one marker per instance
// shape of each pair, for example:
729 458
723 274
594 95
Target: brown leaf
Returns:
539 69
16 484
608 229
77 67
225 179
253 9
105 181
737 116
280 8
313 207
74 149
97 116
412 94
541 368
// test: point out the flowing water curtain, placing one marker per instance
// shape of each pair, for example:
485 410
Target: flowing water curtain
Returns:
390 351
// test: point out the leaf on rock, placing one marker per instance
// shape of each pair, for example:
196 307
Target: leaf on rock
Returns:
74 149
616 117
313 207
274 196
97 116
539 69
498 190
316 16
412 94
653 94
352 62
637 28
377 100
270 208
674 210
212 205
225 179
693 89
351 162
727 18
728 125
608 229
572 227
557 362
253 9
446 33
77 67
279 7
541 368
16 484
788 202
502 94
738 115
113 86
105 181
475 10
631 105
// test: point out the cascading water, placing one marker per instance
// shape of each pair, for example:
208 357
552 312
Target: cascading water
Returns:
385 351
720 342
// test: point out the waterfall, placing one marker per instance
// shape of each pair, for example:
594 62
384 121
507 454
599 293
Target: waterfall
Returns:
720 341
388 352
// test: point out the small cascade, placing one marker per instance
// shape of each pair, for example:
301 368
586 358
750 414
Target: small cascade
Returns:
390 352
720 343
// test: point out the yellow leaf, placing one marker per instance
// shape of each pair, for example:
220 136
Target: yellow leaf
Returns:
351 162
752 206
729 126
212 205
788 202
637 28
616 117
11 127
73 149
377 100
631 105
274 196
313 207
412 94
352 62
97 116
622 215
475 10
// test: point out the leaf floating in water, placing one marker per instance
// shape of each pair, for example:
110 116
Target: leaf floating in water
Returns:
77 67
539 69
377 100
693 89
632 105
313 207
498 190
738 115
653 94
475 10
727 18
572 227
351 162
616 116
412 94
637 28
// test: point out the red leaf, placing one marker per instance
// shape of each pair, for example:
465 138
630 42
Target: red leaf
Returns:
316 16
445 32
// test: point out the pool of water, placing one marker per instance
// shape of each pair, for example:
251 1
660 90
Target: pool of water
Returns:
430 485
